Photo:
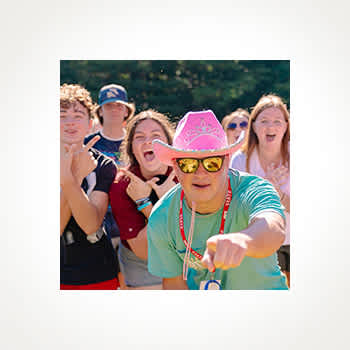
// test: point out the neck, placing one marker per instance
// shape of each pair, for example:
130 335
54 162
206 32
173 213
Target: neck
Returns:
113 131
269 156
148 175
212 206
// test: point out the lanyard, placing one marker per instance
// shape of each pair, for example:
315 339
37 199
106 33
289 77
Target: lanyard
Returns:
223 219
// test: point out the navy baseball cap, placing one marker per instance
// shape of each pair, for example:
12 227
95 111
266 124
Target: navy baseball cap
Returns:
114 93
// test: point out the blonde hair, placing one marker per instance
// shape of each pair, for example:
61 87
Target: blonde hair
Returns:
239 112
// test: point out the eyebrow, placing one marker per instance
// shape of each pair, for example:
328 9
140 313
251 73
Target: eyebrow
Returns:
75 110
141 132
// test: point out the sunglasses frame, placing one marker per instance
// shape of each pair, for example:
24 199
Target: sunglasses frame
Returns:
200 160
236 124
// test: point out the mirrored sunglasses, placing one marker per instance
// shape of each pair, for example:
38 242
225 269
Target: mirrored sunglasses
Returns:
210 164
233 126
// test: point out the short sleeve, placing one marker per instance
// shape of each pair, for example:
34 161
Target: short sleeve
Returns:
129 220
163 260
238 161
261 197
105 173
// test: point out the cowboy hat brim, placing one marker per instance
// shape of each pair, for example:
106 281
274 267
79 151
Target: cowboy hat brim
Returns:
166 153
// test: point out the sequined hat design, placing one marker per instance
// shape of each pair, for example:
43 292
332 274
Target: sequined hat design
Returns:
198 134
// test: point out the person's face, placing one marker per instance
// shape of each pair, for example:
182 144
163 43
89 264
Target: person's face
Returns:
205 188
270 127
233 133
114 112
74 123
145 132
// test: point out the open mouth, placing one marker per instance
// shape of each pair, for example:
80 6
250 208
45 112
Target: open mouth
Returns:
270 137
149 155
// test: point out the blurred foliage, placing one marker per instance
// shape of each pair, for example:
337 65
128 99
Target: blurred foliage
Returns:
176 87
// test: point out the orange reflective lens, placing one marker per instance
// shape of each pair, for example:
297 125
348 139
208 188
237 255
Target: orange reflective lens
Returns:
190 165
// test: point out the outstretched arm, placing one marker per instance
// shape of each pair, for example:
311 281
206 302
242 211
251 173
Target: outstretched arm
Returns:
260 239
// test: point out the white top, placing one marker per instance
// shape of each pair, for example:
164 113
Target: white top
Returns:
238 162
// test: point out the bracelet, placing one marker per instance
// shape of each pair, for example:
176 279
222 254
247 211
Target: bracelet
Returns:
144 205
142 200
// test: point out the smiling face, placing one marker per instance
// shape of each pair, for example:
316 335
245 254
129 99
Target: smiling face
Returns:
270 127
233 134
145 132
74 123
207 189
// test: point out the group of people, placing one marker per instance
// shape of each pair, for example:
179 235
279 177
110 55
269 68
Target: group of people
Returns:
147 205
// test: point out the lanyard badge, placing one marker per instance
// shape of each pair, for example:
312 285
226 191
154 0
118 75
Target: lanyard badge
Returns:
211 284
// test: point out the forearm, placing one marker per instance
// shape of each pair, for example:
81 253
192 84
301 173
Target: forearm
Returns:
84 212
265 235
285 200
139 244
65 212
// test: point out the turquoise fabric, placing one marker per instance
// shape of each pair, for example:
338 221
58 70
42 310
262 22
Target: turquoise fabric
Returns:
251 195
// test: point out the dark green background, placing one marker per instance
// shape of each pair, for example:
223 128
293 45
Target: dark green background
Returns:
175 87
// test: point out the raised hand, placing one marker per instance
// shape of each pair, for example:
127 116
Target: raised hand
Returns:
277 176
137 188
165 186
83 161
66 159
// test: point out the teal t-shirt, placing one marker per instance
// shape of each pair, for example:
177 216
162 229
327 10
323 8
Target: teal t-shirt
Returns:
251 195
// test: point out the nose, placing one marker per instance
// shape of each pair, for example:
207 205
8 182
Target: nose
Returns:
201 170
69 121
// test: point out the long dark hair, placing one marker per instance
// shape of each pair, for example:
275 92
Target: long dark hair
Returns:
127 157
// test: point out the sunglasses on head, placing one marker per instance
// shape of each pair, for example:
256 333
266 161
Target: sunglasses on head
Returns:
190 165
233 126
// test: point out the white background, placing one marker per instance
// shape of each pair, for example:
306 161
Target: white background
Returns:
35 36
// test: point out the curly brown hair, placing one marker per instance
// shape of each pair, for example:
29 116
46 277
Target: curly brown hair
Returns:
267 101
70 93
127 157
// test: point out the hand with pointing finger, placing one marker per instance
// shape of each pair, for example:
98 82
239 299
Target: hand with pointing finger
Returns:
165 186
225 251
83 161
137 188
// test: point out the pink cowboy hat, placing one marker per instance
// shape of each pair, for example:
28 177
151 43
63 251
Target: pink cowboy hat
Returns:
198 134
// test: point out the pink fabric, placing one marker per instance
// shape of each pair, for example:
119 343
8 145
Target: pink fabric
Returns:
198 134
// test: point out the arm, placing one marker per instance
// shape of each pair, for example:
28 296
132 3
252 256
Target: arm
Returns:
174 283
89 211
75 165
260 239
285 200
139 244
65 213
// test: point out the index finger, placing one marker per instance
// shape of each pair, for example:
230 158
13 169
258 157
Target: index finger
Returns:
129 174
92 142
171 176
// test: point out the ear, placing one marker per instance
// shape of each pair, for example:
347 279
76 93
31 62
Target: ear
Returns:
90 123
